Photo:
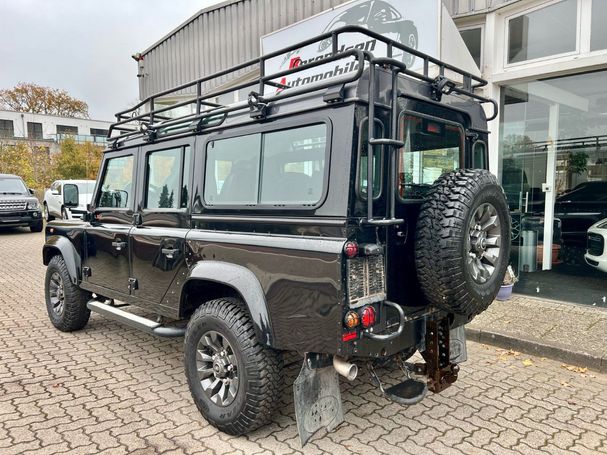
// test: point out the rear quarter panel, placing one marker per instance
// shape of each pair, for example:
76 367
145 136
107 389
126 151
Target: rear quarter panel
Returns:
300 277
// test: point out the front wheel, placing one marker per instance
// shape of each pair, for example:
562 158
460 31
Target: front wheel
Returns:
65 302
235 381
47 214
37 227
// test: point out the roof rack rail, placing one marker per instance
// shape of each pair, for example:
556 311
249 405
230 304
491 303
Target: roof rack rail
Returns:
151 124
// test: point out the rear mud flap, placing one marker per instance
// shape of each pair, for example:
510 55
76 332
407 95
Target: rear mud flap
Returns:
317 401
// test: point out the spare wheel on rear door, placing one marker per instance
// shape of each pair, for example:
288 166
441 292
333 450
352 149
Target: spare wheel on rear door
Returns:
462 242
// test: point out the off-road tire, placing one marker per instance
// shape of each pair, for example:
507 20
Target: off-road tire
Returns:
37 227
259 368
75 314
442 241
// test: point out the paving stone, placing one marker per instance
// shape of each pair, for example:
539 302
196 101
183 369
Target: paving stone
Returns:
111 389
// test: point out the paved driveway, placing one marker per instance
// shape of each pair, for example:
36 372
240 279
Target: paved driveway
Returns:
114 390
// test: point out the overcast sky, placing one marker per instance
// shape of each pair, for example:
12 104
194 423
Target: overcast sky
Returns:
85 46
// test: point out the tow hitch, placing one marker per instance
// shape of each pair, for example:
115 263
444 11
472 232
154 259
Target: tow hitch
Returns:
439 368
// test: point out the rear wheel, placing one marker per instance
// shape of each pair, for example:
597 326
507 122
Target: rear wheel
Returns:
235 381
462 244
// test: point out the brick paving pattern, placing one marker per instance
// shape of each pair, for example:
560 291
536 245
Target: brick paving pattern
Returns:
111 389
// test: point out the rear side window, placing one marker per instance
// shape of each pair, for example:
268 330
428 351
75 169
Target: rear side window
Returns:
431 149
479 155
117 183
285 167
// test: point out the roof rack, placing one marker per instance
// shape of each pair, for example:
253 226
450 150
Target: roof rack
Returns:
154 122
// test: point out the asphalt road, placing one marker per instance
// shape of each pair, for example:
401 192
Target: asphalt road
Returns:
111 389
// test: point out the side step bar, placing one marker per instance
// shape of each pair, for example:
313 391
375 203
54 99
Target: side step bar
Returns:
134 321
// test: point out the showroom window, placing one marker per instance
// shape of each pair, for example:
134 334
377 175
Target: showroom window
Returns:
473 38
553 136
598 37
547 31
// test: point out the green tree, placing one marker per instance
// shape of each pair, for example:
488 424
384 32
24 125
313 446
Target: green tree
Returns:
17 159
77 161
28 97
166 199
70 162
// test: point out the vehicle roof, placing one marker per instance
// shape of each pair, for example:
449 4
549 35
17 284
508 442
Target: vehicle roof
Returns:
10 176
75 180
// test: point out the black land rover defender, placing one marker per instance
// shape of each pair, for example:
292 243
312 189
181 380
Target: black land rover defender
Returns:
18 205
351 219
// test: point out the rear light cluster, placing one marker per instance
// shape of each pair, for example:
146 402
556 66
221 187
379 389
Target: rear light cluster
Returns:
365 317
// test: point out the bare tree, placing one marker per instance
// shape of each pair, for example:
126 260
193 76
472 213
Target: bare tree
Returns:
28 97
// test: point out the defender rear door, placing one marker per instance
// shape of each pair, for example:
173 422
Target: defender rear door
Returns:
162 219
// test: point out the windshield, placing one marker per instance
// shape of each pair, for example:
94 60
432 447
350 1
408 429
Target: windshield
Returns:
12 186
86 187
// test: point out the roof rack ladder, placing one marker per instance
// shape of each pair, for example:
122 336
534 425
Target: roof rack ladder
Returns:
392 143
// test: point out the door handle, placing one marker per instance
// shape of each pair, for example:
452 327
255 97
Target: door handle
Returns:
118 245
169 252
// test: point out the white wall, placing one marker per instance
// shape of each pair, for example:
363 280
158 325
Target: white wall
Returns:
49 123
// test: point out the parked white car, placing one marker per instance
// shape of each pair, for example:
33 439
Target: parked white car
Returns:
596 253
55 204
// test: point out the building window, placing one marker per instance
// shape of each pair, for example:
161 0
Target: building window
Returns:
473 39
70 130
598 37
98 132
34 130
544 32
6 129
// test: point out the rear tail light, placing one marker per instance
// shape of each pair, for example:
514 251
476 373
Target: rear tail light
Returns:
349 336
368 316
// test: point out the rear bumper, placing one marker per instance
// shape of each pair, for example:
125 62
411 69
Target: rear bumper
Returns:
21 218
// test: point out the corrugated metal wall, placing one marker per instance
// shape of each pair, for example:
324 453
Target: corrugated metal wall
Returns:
218 39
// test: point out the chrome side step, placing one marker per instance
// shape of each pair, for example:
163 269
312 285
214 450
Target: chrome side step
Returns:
134 321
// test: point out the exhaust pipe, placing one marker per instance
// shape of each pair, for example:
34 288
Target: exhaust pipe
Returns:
346 369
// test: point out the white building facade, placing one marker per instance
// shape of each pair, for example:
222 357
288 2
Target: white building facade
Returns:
546 63
47 130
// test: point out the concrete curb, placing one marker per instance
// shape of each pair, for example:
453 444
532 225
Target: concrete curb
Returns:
554 351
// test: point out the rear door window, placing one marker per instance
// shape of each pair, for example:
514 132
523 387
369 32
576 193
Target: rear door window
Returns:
166 185
431 149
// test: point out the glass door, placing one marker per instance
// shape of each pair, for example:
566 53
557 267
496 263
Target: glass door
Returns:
553 150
